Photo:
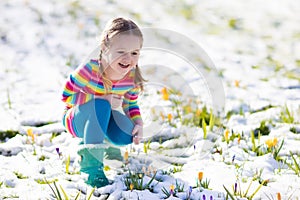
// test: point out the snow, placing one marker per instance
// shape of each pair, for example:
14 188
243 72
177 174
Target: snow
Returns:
252 49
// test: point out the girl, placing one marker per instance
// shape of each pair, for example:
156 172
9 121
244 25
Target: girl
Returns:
101 98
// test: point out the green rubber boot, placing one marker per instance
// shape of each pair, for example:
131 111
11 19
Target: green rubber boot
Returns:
113 153
92 164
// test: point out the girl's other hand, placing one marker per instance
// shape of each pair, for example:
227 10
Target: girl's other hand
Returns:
137 133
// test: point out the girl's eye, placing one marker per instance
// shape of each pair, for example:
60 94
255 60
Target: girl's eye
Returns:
135 53
120 52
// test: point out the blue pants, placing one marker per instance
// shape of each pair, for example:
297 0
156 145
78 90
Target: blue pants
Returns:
95 121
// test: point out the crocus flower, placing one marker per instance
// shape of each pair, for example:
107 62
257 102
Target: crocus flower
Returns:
165 95
235 188
190 190
233 158
170 117
226 135
140 175
126 156
172 187
30 134
131 187
200 176
58 152
236 83
278 196
271 142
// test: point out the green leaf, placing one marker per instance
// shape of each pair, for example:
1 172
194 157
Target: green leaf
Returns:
228 193
57 190
64 193
204 128
91 193
78 195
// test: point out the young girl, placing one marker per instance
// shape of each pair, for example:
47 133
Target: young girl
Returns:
95 92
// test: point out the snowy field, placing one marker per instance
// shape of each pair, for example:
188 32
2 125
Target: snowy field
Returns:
247 146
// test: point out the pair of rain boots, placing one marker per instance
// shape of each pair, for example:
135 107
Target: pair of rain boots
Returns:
91 162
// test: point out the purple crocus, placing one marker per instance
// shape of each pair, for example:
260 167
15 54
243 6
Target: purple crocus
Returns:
235 187
190 190
204 197
58 152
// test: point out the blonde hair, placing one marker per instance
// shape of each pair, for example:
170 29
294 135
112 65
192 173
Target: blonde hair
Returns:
113 28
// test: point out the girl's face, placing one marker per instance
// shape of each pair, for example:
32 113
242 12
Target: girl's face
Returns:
122 55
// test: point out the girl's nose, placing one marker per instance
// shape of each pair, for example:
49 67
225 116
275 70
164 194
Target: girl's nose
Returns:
126 56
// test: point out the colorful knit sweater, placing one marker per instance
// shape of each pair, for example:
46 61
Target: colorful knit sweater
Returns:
85 82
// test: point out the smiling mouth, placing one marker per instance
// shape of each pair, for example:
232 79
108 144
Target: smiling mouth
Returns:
123 66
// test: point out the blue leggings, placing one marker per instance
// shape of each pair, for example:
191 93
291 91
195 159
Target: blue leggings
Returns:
95 121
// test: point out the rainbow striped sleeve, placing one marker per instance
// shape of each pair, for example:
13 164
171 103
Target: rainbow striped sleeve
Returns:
130 105
73 92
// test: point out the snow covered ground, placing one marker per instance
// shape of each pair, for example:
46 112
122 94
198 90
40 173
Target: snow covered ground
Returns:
255 49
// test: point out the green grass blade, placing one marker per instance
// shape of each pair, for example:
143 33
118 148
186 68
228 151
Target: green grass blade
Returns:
51 189
91 193
58 192
228 193
257 189
64 193
78 195
297 168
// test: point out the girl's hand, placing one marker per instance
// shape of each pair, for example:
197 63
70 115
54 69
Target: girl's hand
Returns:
137 133
114 100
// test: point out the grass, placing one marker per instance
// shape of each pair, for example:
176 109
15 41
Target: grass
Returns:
295 165
179 187
136 181
20 175
238 192
263 129
286 116
60 194
8 134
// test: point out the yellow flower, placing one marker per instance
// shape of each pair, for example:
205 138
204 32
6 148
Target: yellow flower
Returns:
226 135
271 142
236 83
165 95
198 112
278 196
162 116
172 187
126 155
131 186
170 117
200 176
30 134
187 109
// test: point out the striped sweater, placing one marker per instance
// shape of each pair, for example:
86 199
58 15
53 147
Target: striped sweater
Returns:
85 82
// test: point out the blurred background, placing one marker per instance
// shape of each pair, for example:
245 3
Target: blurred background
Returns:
254 45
